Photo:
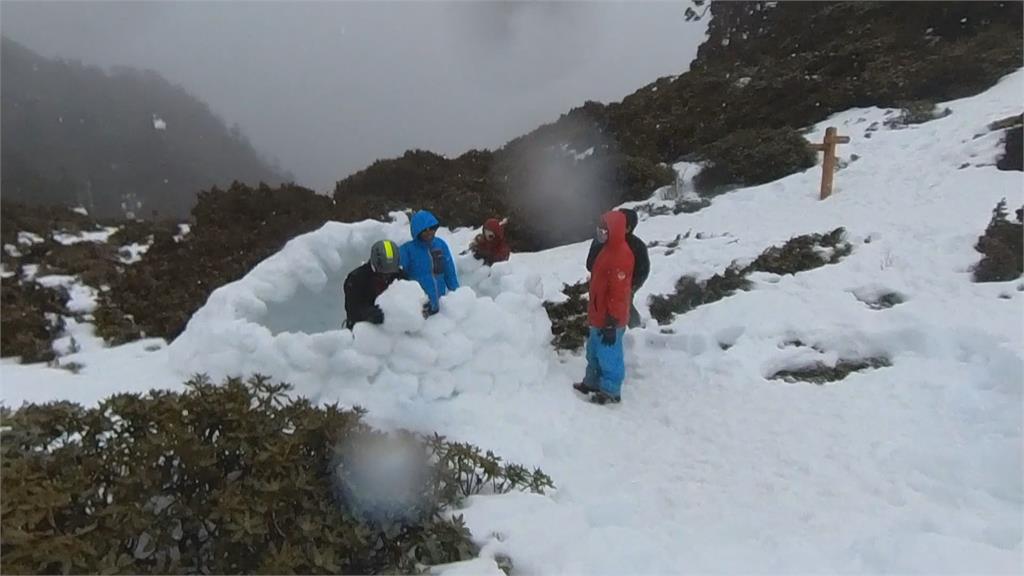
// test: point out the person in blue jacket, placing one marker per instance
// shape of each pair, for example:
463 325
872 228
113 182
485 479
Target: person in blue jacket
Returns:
427 259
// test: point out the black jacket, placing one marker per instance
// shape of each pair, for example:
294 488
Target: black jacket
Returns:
642 263
362 286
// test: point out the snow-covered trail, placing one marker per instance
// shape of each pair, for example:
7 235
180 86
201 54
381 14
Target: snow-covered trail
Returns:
703 469
707 465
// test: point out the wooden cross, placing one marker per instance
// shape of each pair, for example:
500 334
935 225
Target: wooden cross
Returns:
828 165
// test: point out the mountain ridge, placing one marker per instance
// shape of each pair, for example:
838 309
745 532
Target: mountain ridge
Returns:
123 143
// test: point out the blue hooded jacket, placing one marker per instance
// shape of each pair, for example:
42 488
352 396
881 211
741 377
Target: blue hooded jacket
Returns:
429 264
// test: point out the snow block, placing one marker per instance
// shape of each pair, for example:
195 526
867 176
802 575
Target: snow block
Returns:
403 304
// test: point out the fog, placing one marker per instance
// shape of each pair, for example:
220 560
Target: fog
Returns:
326 88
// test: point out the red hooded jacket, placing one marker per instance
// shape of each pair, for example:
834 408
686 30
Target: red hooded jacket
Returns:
491 251
611 280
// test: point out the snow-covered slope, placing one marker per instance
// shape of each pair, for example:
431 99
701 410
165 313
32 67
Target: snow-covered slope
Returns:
707 465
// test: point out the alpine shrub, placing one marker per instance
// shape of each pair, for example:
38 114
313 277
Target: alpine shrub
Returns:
1002 248
803 253
569 325
820 373
691 293
1013 150
798 254
231 478
753 156
917 112
31 319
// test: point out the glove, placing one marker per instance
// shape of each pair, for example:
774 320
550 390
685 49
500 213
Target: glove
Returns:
376 315
608 334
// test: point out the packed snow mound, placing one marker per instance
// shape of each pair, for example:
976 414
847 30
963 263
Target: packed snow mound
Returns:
502 277
284 319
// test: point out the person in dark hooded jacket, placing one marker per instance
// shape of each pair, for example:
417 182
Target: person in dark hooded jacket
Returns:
642 268
490 246
427 260
364 284
611 281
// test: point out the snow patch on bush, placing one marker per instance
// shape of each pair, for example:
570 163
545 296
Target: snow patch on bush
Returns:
132 253
28 238
183 230
68 238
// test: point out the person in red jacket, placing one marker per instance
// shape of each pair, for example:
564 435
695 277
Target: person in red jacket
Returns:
490 245
611 292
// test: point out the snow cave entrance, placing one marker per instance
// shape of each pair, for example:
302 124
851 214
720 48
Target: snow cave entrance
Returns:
313 311
308 311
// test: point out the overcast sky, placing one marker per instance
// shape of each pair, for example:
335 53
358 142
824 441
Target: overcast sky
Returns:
328 87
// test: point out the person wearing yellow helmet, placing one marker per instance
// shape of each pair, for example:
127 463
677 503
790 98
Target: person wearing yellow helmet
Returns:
365 283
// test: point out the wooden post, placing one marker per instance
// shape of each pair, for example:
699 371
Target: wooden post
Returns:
828 164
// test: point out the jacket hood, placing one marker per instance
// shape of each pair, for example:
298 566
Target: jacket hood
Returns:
632 218
421 221
616 223
495 226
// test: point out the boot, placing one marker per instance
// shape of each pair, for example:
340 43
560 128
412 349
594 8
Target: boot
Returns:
601 398
583 388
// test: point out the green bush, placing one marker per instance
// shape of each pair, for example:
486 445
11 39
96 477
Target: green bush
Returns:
28 332
569 324
751 157
883 301
819 373
1013 150
465 471
25 329
95 263
638 177
114 326
232 478
690 205
691 293
803 253
1002 247
917 112
798 254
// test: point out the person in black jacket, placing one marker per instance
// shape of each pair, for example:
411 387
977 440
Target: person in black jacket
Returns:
365 283
642 266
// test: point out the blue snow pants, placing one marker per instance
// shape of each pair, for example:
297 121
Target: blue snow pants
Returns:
606 365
